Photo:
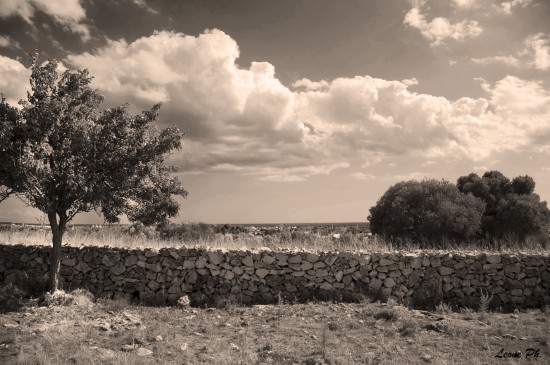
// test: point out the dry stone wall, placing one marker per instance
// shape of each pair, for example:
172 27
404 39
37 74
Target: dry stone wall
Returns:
422 279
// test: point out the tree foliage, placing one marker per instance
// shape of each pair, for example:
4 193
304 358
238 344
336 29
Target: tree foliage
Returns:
512 206
427 210
62 154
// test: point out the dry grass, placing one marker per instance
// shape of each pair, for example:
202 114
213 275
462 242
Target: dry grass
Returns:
117 236
113 332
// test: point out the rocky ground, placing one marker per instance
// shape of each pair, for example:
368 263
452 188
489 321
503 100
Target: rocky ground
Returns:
114 332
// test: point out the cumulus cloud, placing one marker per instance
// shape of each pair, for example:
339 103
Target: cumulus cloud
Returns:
14 79
538 46
68 13
245 121
440 29
535 54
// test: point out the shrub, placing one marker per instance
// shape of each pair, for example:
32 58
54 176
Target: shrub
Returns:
428 210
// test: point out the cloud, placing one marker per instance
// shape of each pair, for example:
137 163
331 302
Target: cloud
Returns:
535 54
507 6
245 121
68 13
465 4
538 46
14 78
143 4
507 60
7 42
440 29
363 176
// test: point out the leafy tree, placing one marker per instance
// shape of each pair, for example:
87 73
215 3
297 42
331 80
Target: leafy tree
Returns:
523 185
522 215
512 207
426 210
63 155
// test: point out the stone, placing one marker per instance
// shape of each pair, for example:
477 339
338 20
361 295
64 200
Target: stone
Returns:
306 265
153 285
142 351
262 273
385 262
188 264
375 284
248 261
295 259
82 267
311 257
130 261
215 257
494 259
389 283
268 259
444 270
326 286
338 276
201 262
118 269
69 262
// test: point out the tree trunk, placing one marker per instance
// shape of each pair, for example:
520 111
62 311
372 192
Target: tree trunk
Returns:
58 228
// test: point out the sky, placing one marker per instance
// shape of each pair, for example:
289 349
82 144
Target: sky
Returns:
306 111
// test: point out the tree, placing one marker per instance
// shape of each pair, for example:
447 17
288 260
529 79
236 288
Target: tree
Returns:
512 207
62 154
426 210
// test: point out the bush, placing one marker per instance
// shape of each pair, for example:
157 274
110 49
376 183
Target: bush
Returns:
512 207
428 210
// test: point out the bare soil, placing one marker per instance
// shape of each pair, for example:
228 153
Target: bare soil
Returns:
114 332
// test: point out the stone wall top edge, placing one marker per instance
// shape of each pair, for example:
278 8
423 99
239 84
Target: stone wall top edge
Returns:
263 250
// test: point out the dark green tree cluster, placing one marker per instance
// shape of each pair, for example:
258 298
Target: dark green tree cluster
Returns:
63 154
512 207
426 211
487 207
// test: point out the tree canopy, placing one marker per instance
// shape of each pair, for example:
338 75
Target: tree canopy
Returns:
62 154
428 210
512 207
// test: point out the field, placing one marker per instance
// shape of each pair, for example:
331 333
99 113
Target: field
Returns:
314 237
77 329
113 332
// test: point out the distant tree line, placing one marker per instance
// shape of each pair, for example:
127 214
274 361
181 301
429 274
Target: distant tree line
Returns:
491 207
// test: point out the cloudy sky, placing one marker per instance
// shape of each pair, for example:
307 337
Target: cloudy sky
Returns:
307 111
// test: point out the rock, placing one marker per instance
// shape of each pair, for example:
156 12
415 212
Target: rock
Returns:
83 267
183 302
69 262
295 259
248 261
158 338
262 273
268 259
201 262
426 358
118 269
375 284
130 261
128 348
494 259
215 257
183 346
385 262
444 270
389 283
142 351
